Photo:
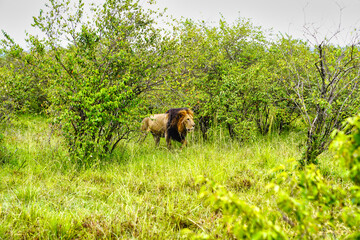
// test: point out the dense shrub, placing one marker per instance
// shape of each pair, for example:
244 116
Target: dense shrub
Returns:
98 79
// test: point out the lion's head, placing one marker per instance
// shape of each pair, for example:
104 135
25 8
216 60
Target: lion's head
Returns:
181 119
186 121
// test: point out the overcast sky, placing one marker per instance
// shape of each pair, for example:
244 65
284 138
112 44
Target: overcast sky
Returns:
285 16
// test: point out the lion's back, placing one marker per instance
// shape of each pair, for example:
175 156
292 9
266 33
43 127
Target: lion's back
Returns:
157 123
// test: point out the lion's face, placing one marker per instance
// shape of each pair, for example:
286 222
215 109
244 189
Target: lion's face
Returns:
184 121
189 123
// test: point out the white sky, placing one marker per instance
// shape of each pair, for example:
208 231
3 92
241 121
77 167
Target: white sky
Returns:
285 16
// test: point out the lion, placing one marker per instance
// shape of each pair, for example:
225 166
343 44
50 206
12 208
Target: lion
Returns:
173 125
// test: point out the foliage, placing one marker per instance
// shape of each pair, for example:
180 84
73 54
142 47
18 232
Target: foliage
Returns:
323 82
254 98
97 76
23 84
242 220
311 205
43 195
6 109
98 79
7 103
230 73
347 145
214 60
308 205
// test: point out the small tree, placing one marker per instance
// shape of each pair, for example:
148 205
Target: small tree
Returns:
100 69
323 81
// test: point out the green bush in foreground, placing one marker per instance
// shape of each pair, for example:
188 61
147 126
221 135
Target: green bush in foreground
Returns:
308 206
348 146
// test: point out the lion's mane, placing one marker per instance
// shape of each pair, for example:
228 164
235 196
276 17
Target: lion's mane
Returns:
175 127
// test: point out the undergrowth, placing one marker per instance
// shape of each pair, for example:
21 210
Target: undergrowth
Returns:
140 191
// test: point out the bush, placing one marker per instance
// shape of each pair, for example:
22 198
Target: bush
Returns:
307 205
96 82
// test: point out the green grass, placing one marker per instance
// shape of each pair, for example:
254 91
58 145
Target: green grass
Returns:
140 192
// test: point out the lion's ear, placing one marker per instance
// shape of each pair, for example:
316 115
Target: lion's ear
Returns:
181 114
191 113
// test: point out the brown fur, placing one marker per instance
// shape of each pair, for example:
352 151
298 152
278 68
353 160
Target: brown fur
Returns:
174 124
180 120
156 124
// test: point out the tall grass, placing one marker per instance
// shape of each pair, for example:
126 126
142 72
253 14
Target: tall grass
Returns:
140 192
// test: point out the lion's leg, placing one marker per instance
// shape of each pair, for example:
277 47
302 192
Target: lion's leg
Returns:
184 142
157 140
168 140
